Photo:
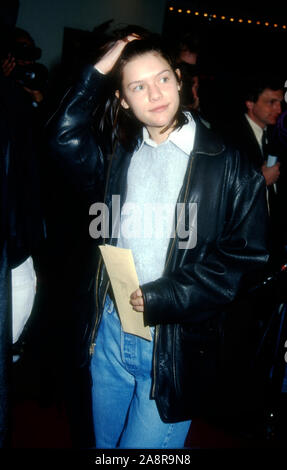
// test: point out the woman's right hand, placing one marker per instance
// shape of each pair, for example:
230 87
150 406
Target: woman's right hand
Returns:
106 63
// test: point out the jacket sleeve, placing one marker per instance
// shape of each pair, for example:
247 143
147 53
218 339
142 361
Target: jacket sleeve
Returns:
71 141
196 291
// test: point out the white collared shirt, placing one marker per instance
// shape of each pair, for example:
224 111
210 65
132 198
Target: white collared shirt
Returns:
258 131
154 181
183 138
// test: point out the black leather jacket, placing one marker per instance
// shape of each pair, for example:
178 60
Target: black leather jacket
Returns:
187 303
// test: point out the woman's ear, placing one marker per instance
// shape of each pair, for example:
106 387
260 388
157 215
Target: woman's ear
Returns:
178 73
124 104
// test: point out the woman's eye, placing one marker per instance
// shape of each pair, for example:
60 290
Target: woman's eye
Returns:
164 79
138 88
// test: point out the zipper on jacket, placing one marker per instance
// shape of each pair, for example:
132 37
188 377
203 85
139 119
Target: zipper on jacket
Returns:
184 202
105 294
92 342
154 361
157 327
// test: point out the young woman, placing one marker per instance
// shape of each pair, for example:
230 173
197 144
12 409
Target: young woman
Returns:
121 131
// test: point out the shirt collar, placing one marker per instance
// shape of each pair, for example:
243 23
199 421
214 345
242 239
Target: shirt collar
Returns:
258 131
183 138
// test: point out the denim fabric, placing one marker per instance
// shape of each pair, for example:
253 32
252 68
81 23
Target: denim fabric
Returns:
123 413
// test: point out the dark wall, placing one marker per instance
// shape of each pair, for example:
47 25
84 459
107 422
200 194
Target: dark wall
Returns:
230 52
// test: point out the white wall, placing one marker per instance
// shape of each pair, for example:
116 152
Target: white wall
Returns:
45 19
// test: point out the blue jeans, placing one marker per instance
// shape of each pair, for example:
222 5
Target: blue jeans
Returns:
124 414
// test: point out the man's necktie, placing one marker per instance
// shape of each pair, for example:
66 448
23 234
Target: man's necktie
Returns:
264 145
271 189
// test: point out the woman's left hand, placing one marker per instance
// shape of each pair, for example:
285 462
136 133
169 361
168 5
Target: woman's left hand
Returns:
136 300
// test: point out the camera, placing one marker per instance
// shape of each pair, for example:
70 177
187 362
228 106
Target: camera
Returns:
33 76
29 73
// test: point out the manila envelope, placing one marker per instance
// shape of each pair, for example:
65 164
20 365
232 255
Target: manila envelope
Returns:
124 280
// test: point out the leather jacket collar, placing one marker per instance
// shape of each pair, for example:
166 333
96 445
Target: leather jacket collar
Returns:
206 141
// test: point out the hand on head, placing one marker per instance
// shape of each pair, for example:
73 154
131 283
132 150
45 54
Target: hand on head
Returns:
106 63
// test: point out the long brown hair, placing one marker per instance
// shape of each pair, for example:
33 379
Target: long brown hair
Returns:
112 119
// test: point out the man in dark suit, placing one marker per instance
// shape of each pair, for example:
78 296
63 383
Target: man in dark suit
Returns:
253 133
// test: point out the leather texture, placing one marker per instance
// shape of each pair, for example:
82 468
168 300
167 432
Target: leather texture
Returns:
189 302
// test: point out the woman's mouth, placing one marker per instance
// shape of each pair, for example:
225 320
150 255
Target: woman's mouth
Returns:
159 109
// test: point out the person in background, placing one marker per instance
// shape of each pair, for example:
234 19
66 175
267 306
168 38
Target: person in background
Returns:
20 63
22 230
21 216
187 48
186 53
190 86
253 132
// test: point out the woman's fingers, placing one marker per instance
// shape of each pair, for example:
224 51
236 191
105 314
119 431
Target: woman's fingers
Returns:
106 63
136 300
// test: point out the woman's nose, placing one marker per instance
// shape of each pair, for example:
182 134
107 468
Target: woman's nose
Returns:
154 93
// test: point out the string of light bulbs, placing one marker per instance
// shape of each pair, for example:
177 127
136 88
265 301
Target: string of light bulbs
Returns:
230 19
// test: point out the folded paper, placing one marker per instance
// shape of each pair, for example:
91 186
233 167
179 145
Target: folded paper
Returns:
121 269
